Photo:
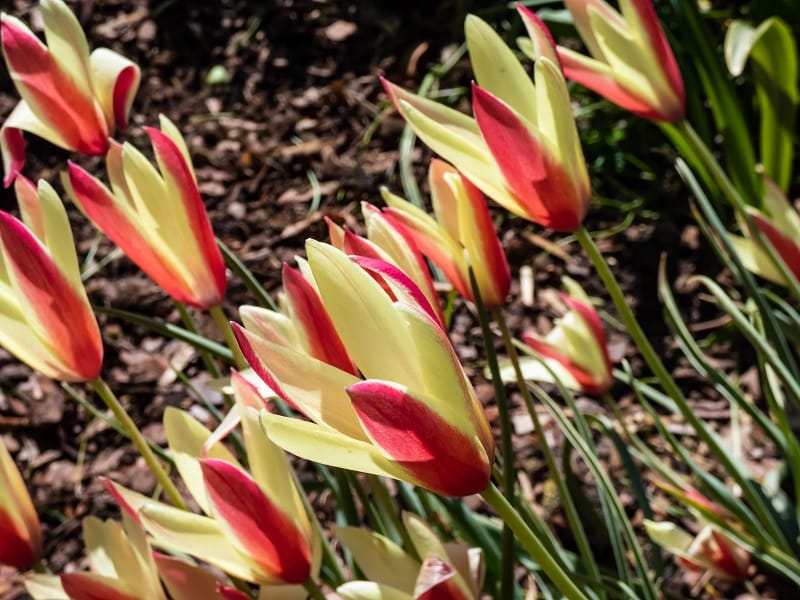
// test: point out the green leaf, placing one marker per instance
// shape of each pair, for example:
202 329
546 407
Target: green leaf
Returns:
772 52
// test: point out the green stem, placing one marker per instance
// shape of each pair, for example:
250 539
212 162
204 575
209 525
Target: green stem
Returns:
507 535
672 389
224 326
563 490
188 322
562 580
139 442
313 589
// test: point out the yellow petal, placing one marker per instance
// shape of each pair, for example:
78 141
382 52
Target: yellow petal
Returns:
497 69
379 558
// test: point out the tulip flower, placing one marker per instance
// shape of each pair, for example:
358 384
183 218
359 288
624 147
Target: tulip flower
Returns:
412 416
780 225
255 526
632 64
157 219
461 236
447 572
709 551
45 317
20 532
522 148
121 561
575 349
70 98
389 242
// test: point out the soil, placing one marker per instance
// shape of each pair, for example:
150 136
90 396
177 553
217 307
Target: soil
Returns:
287 123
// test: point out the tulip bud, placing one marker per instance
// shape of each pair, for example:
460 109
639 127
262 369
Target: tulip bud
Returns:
522 148
156 216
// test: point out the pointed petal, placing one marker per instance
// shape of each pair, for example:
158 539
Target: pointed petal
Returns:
557 124
433 240
20 533
313 387
497 69
329 447
196 244
308 312
91 586
260 528
455 137
120 222
401 250
478 234
67 43
533 175
182 531
401 285
434 453
185 581
58 313
378 344
599 78
786 247
379 558
540 36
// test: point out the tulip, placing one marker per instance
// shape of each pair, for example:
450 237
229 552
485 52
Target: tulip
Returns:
121 561
779 222
255 527
522 148
413 416
20 532
709 551
45 317
389 242
632 64
70 98
462 234
575 349
157 219
447 572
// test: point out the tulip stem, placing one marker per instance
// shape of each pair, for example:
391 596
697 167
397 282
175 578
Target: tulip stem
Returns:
507 535
313 589
567 503
531 543
208 361
224 326
672 389
140 443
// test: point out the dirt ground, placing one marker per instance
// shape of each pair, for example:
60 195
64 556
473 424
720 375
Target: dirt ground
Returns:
287 123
